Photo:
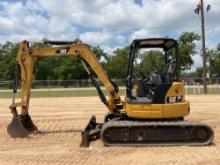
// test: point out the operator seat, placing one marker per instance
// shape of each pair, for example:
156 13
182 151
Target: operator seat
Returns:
156 79
141 87
167 72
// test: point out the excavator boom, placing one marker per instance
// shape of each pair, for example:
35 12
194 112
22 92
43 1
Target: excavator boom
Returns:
21 123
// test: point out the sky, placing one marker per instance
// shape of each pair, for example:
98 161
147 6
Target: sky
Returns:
108 23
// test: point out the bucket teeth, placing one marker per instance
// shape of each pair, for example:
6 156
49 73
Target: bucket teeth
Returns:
21 126
27 123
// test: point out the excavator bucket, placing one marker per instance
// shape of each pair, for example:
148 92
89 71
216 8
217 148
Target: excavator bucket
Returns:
91 132
21 126
16 129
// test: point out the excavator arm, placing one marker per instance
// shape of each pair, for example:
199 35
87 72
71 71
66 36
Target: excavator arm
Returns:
25 62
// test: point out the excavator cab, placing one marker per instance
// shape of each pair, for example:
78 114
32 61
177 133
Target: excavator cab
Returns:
155 105
152 88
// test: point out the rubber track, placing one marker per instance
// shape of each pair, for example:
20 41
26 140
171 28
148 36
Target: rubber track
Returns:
127 125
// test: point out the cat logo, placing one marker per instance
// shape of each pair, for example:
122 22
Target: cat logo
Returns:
63 50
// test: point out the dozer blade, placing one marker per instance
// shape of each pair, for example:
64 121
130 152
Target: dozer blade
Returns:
21 126
91 132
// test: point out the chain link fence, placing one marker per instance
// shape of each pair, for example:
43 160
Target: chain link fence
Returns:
195 85
71 88
58 88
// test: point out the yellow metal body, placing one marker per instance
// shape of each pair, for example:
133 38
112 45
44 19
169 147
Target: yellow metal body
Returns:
26 60
161 111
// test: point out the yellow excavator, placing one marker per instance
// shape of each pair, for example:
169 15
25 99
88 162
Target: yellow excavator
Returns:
152 112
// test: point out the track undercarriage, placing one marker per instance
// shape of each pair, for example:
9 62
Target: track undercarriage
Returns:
121 131
125 132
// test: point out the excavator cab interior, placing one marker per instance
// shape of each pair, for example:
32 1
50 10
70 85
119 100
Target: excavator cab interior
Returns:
151 88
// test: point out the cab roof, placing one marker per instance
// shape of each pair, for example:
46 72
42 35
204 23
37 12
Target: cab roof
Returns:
165 43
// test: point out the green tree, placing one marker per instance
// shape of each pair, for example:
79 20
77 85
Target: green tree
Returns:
100 54
116 66
8 54
214 61
199 71
69 69
187 48
63 68
151 61
44 66
195 74
218 47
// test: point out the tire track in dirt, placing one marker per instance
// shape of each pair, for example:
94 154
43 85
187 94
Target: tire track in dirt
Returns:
60 126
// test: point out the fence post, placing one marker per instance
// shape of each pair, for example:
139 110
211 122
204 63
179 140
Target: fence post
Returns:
185 87
194 88
48 90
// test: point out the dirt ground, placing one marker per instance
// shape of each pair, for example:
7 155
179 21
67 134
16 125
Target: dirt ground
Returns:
62 119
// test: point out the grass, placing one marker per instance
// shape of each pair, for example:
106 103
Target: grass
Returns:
59 93
83 92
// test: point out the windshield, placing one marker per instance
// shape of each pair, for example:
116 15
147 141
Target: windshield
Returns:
150 61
